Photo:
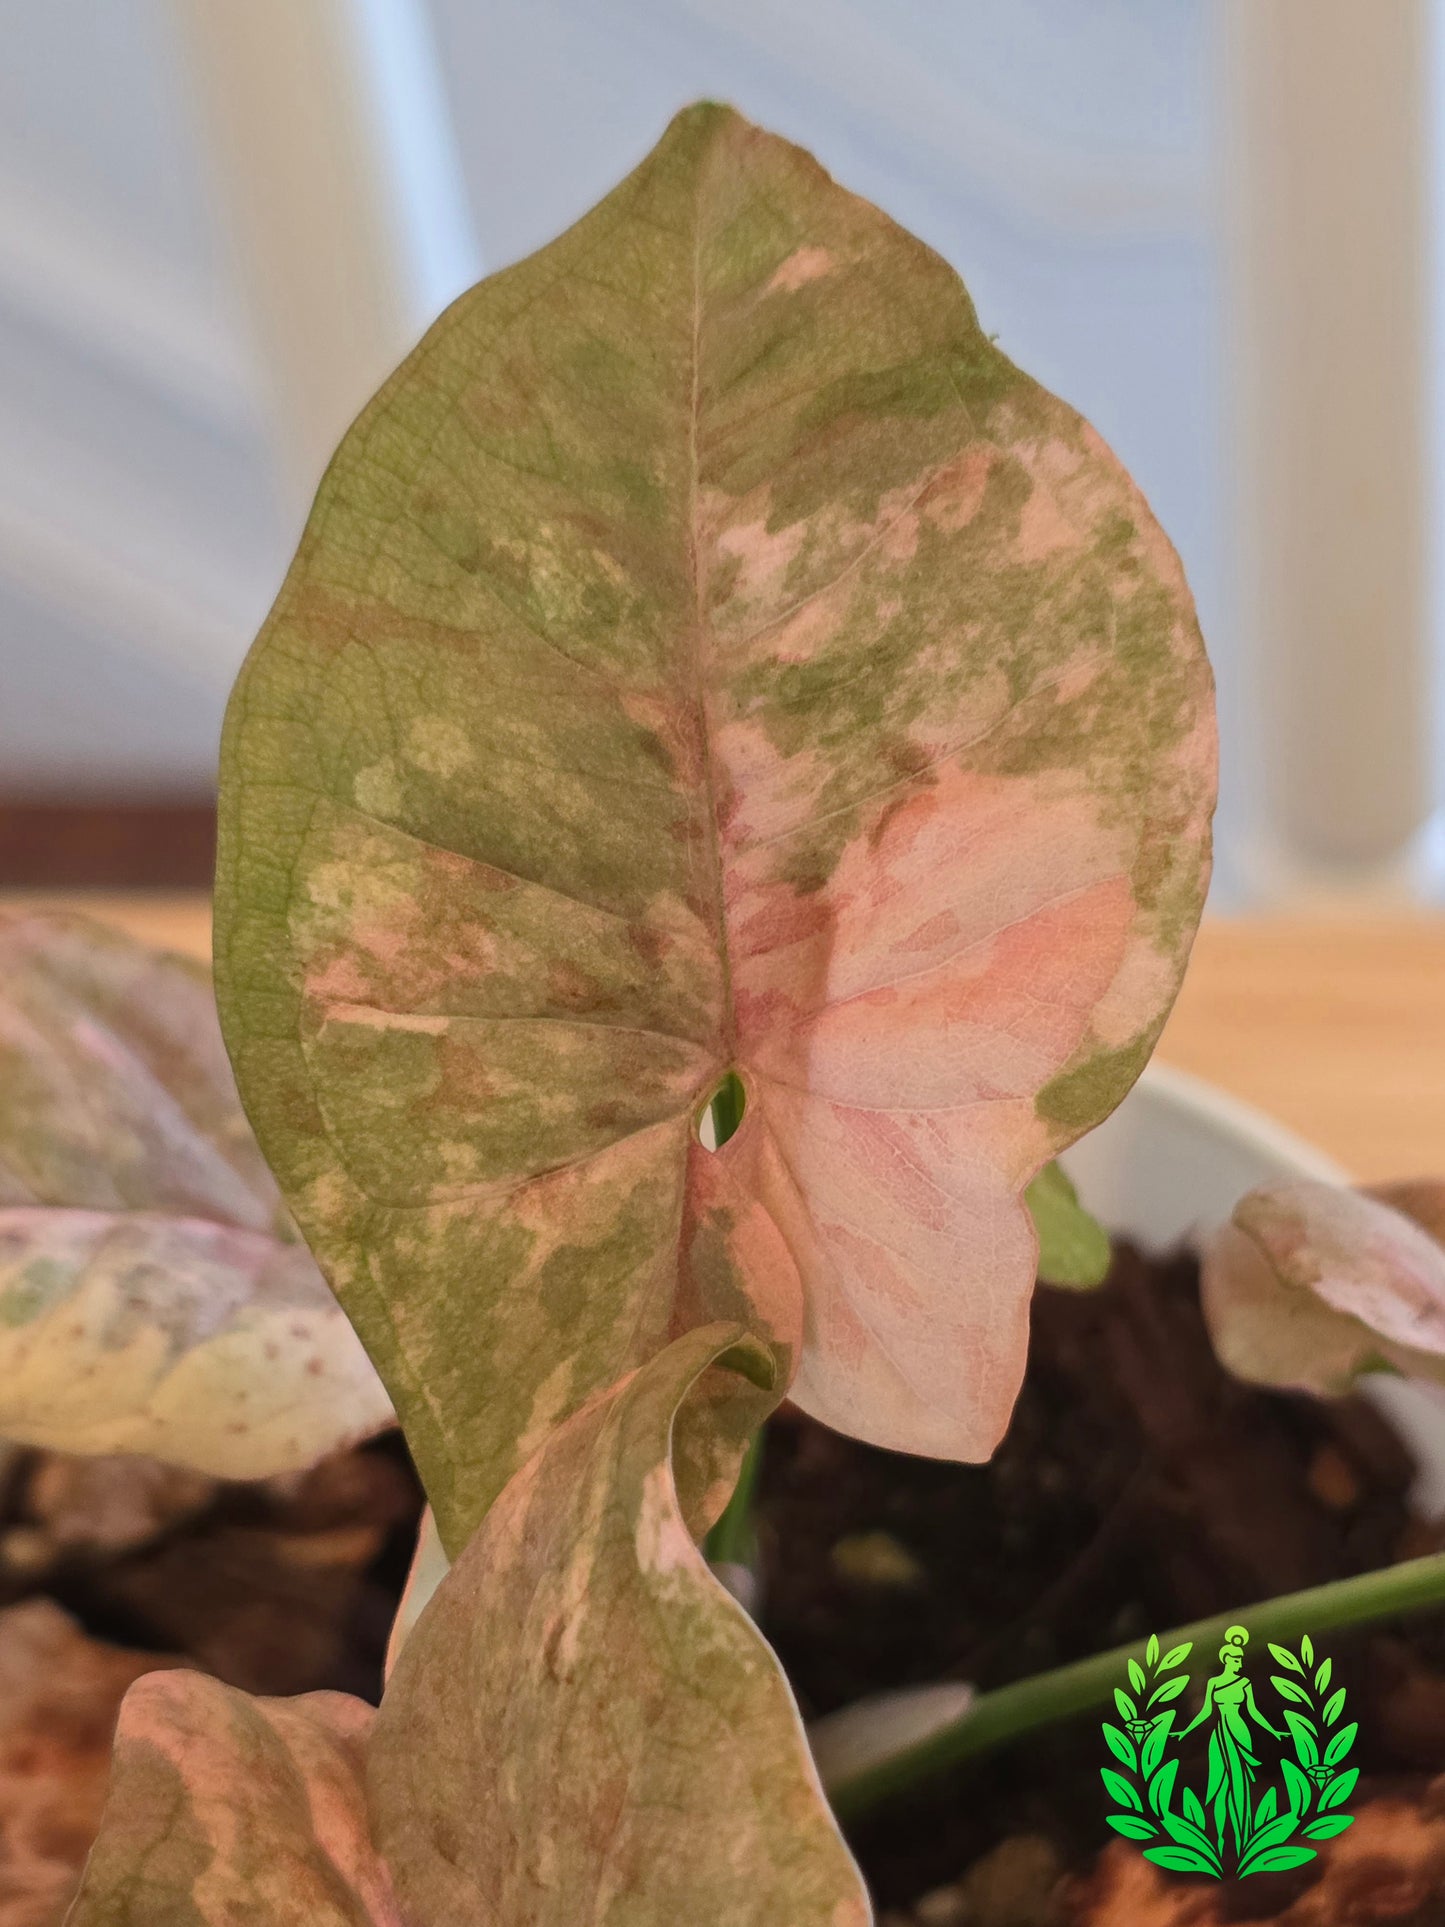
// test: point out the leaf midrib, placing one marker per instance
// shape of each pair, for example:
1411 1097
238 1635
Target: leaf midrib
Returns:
698 632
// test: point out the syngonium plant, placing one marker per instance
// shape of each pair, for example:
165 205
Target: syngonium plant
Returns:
714 682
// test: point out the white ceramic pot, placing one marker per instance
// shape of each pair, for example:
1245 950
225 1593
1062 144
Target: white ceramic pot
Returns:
1173 1161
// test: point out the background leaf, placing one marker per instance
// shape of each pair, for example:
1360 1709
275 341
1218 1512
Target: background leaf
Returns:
584 1724
224 1808
1074 1249
190 1341
1312 1284
707 653
1334 1706
1340 1745
153 1297
1284 1657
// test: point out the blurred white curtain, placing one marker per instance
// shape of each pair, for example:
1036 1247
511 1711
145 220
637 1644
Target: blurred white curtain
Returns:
1208 223
1327 129
331 145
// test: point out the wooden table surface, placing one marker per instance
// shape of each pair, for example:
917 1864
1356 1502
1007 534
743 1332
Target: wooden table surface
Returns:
1335 1027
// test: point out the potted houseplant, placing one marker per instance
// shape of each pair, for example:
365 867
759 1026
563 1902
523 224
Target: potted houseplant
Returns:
722 800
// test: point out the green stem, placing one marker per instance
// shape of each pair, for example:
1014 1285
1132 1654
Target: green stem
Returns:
730 1543
1010 1711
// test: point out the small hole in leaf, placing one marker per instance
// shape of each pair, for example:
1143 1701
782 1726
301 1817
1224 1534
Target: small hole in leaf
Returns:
722 1114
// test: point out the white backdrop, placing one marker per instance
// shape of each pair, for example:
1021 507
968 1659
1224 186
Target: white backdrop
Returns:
178 351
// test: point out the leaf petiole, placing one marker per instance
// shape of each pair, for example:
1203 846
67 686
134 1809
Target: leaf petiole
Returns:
997 1717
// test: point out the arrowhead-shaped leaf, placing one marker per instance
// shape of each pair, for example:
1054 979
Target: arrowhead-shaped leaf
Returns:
152 1296
1312 1284
584 1725
708 653
226 1809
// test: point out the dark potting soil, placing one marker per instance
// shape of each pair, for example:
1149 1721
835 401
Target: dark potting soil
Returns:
1139 1487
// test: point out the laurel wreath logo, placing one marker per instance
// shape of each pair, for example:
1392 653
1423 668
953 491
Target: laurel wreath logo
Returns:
1234 1827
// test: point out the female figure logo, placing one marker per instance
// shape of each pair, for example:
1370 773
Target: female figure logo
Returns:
1229 1701
1175 1828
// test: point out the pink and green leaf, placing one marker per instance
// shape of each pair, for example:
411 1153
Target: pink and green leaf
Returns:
1312 1284
226 1809
153 1297
584 1725
707 654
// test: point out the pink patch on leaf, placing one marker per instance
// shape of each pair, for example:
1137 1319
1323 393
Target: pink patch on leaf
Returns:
801 266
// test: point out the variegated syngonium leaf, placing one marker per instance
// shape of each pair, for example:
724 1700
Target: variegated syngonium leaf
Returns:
1312 1284
225 1809
153 1297
584 1725
708 652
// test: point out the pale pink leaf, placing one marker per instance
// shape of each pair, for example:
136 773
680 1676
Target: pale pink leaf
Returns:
1312 1284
